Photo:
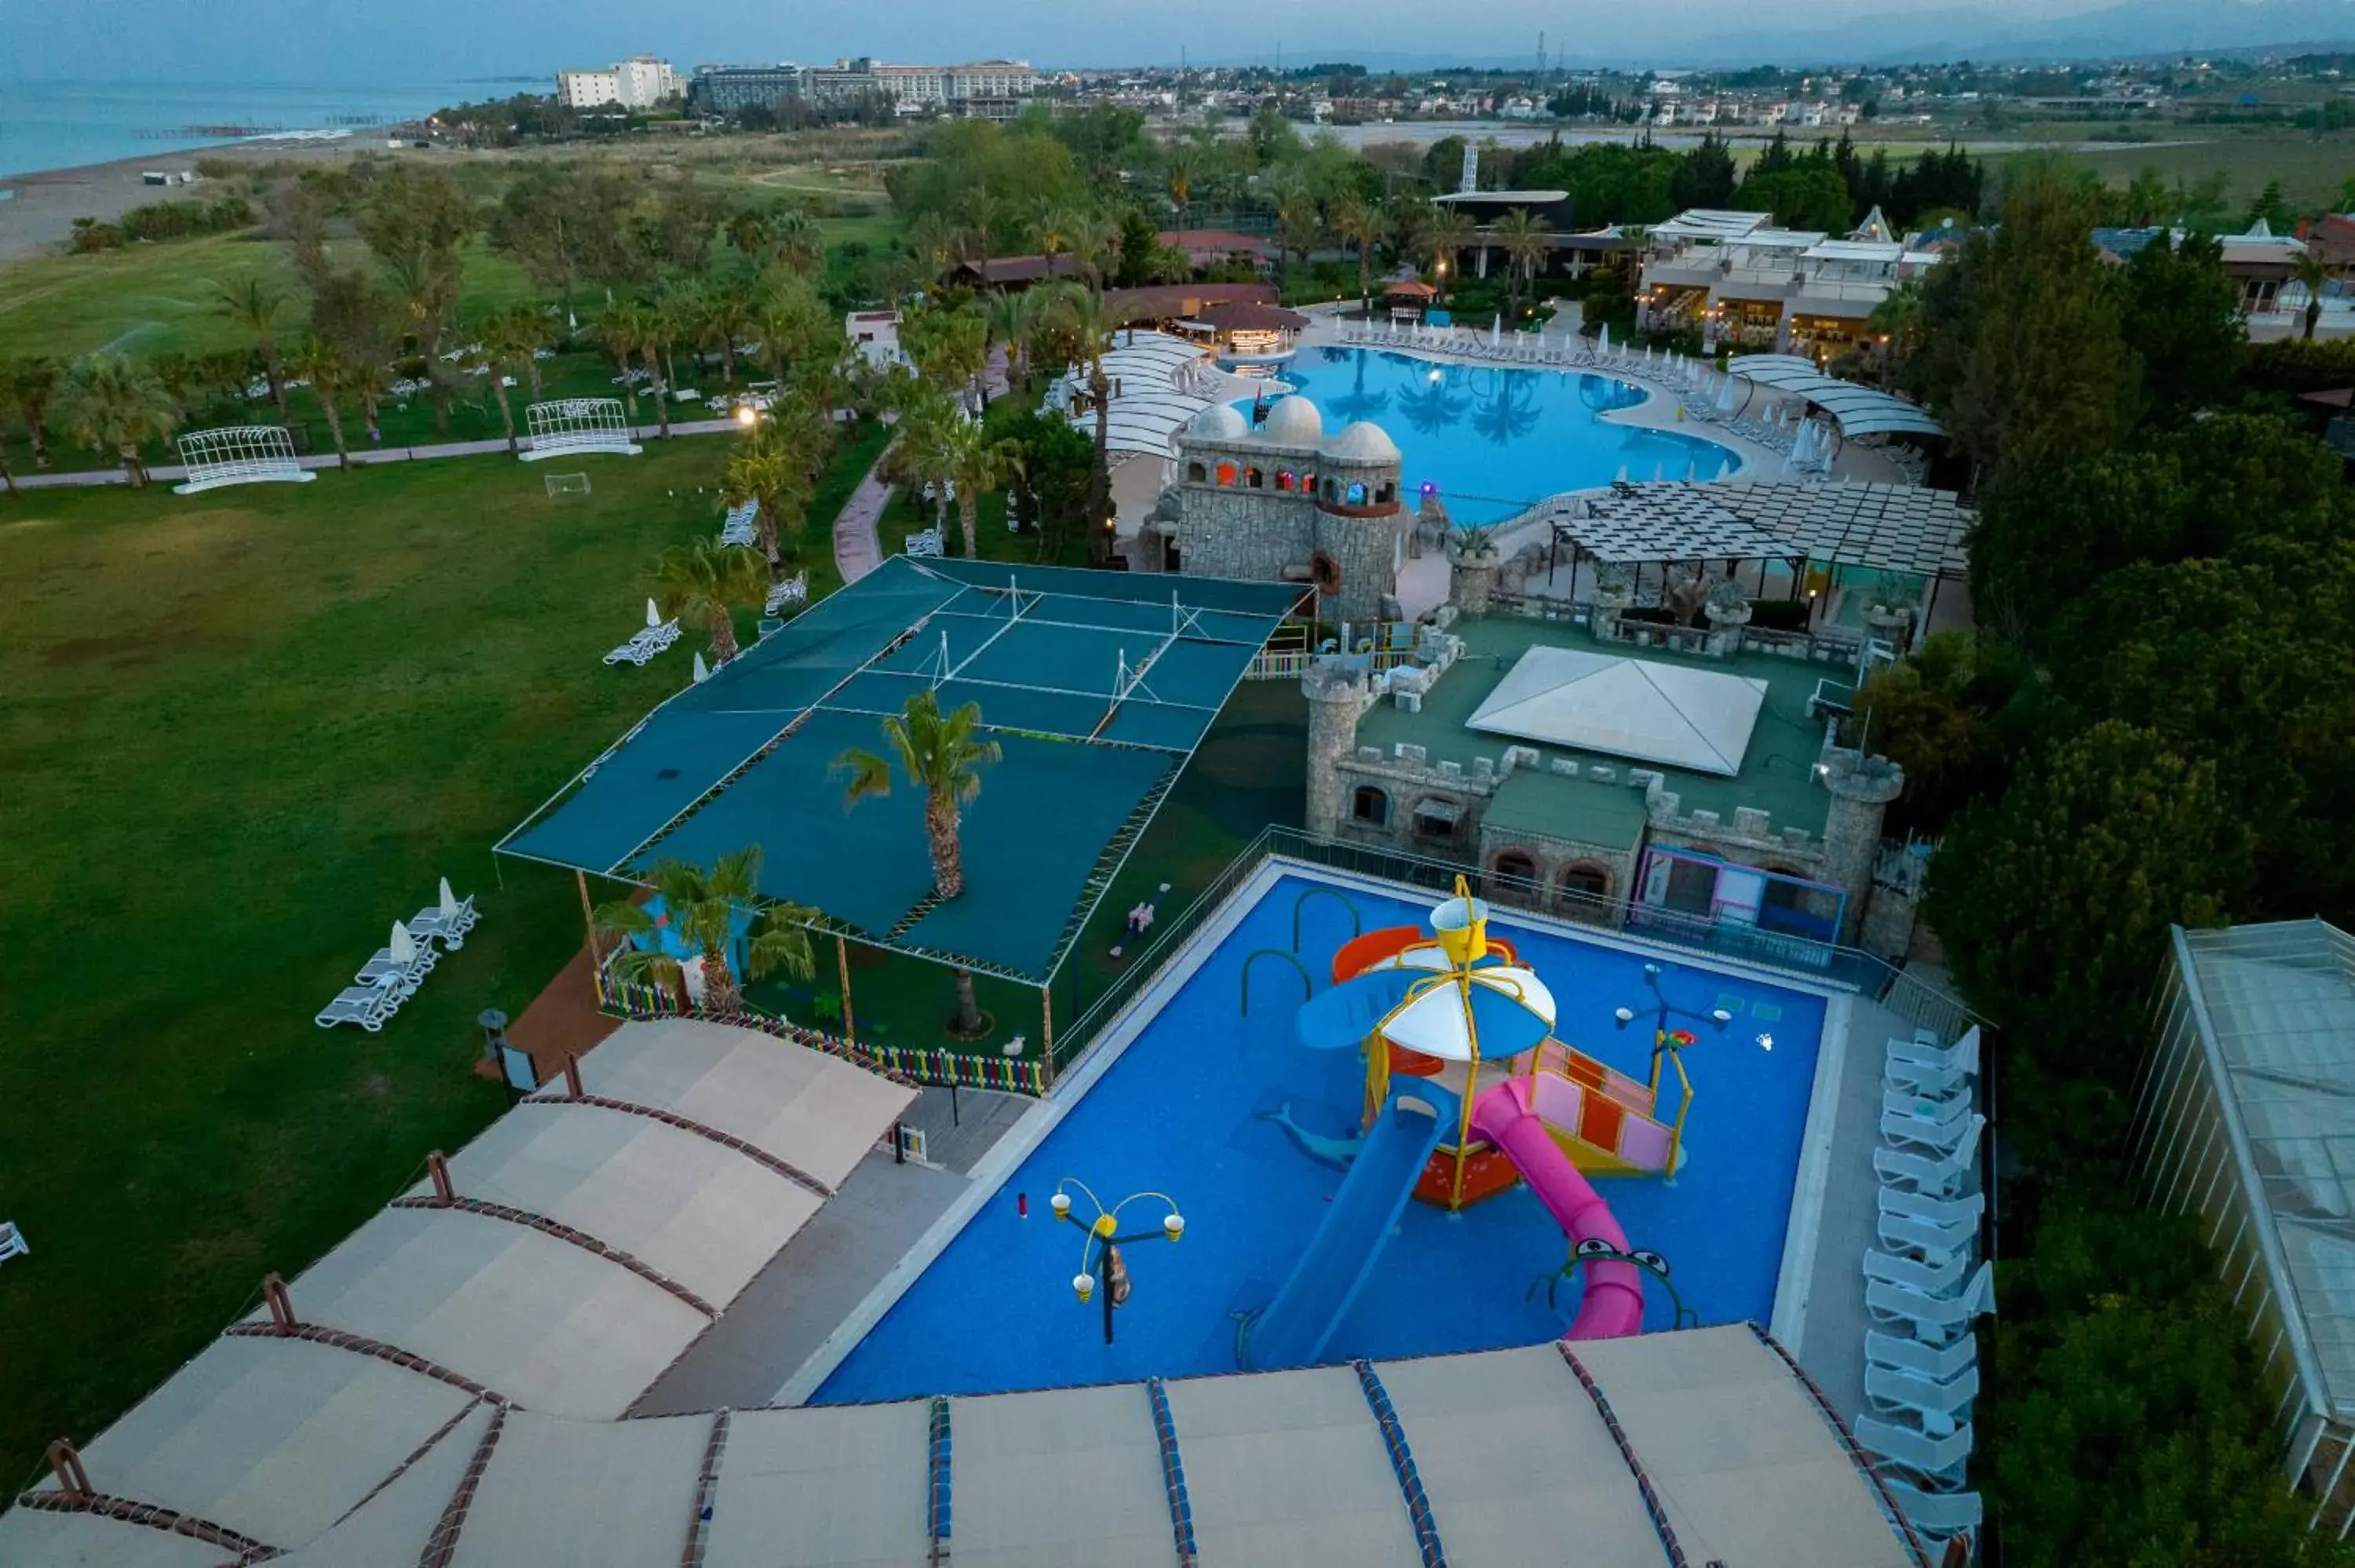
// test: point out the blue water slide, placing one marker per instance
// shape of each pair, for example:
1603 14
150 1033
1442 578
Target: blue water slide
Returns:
1297 1326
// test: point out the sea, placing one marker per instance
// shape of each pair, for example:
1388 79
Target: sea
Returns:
63 124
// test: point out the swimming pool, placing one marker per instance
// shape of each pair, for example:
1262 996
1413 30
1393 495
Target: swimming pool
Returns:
1494 439
1201 1105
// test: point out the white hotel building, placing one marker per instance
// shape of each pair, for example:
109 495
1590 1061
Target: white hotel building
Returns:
639 82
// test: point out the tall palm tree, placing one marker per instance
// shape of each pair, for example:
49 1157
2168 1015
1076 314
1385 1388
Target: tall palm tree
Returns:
978 215
774 467
617 334
704 909
1445 239
30 381
112 403
976 464
943 754
1898 321
797 240
1525 241
1180 176
920 451
933 241
2309 269
726 317
646 330
748 235
706 581
323 365
509 339
254 304
1081 313
1013 321
1351 219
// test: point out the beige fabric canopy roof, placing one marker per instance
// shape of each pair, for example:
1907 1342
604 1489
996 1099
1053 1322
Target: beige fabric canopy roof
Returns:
1669 714
1509 1449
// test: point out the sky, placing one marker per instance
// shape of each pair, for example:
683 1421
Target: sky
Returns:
365 42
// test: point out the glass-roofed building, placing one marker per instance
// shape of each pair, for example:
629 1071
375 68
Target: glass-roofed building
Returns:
2246 1118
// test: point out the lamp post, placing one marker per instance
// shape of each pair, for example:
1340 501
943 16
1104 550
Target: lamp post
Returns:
1101 1271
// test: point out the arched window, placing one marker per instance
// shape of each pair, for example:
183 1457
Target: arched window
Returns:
1284 479
1384 497
1518 870
1255 479
1355 495
1197 472
1331 491
1326 573
1226 474
1370 806
1435 817
1584 880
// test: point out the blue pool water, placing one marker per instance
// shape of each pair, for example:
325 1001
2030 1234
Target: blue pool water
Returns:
1187 1110
1495 439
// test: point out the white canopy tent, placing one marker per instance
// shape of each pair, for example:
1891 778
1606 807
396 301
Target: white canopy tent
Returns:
1858 410
1667 714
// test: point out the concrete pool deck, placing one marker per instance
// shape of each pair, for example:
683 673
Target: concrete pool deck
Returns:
822 1296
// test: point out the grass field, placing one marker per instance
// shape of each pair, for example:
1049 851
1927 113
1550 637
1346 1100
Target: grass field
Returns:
2311 170
243 733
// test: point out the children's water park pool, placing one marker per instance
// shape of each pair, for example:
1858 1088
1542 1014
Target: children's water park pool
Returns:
1494 439
1257 1140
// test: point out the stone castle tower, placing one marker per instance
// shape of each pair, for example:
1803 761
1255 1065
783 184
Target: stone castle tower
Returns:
1287 504
1337 697
1860 787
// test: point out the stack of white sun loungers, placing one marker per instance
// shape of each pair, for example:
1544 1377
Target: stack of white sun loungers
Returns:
1924 1283
649 641
401 965
737 529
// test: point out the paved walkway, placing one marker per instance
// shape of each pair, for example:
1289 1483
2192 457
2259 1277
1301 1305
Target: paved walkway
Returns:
361 458
856 551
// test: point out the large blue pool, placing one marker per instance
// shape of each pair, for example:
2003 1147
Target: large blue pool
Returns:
1194 1107
1495 439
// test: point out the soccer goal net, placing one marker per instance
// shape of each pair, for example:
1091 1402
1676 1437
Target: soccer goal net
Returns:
567 483
240 454
578 425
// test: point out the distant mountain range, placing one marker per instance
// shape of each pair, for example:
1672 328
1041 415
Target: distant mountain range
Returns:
2132 29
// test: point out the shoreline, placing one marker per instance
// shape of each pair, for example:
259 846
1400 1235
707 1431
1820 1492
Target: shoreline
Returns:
39 214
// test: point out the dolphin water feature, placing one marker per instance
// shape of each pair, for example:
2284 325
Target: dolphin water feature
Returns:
1335 1151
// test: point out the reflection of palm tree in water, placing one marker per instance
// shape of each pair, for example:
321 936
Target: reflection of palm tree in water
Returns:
1357 403
1506 409
1433 402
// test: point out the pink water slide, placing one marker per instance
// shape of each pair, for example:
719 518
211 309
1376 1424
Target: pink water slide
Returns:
1614 1302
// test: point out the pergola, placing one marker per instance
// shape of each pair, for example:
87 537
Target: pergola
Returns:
1159 382
1857 411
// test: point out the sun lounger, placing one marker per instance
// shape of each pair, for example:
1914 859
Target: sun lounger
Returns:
1943 1175
1925 1048
1939 1363
1924 1134
366 1005
1925 1107
1940 1278
1923 1078
1926 1239
1937 1515
446 922
792 590
649 641
1941 1461
1934 1318
12 1242
924 544
1937 1407
385 971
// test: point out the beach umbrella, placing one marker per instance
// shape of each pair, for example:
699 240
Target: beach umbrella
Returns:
1623 473
1504 1008
1692 470
1497 330
1659 472
702 671
403 947
1724 470
653 616
1603 341
448 899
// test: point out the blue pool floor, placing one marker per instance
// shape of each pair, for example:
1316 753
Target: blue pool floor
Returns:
1199 1107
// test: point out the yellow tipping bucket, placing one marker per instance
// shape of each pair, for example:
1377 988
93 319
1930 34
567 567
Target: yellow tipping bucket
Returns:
1462 925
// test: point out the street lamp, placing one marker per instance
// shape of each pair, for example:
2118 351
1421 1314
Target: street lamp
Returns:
1102 1272
747 415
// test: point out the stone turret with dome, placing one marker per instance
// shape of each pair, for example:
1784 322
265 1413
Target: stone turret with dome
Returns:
1285 502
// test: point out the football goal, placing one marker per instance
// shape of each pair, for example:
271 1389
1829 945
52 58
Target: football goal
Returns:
240 454
578 425
567 484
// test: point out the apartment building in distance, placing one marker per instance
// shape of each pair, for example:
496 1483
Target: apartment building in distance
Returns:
989 89
639 82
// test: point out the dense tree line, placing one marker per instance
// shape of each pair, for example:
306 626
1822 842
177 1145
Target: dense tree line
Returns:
2154 726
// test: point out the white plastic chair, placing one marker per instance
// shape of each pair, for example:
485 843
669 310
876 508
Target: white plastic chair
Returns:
12 1242
1939 1363
1937 1515
1933 1318
1941 1461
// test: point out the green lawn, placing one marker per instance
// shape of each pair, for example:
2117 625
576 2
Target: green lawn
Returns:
242 734
2311 169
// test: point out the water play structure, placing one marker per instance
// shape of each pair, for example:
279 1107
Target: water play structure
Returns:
1431 1010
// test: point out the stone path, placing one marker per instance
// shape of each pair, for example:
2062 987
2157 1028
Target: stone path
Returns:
856 551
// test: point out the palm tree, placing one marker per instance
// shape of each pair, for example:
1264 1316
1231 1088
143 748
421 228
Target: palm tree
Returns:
112 403
978 214
509 338
1898 322
2309 269
726 317
30 381
933 241
943 754
920 451
323 365
774 467
1444 239
617 334
975 463
631 328
1082 313
748 235
1352 220
800 244
1013 320
254 305
704 909
706 581
1525 241
1181 194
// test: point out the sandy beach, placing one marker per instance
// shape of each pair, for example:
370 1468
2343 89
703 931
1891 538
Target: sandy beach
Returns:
38 212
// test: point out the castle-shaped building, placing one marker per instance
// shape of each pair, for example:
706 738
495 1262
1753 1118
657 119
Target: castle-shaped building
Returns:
1286 502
